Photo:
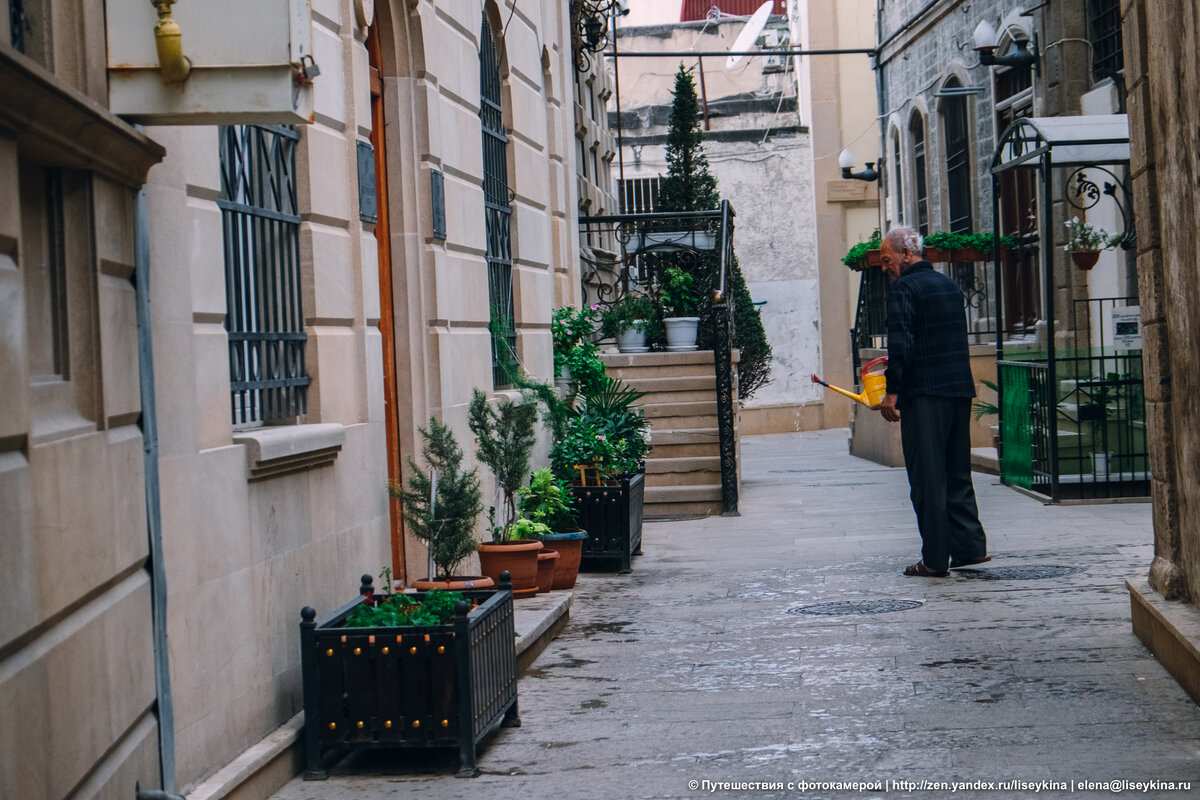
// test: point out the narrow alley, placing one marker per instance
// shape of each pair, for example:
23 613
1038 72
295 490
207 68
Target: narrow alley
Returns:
784 647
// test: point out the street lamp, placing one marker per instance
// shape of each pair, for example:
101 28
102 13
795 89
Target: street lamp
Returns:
846 162
985 44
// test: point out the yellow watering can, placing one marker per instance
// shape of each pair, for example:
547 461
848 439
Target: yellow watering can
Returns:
873 381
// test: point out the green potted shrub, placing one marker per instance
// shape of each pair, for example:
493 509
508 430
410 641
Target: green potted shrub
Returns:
680 301
547 500
598 450
446 523
632 321
504 434
576 356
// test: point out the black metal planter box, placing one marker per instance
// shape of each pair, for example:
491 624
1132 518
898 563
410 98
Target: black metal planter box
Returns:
612 516
411 686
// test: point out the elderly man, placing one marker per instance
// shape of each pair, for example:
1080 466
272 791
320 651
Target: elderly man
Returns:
929 391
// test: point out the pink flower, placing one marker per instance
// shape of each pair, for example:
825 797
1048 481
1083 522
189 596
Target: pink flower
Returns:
595 307
600 436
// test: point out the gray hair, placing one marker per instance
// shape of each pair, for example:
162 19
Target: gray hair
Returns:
904 238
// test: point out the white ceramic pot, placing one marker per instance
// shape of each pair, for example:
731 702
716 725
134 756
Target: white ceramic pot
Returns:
633 339
681 332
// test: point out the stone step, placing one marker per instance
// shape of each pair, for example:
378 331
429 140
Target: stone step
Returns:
699 493
668 511
666 424
687 408
670 436
677 384
687 450
656 466
699 477
685 396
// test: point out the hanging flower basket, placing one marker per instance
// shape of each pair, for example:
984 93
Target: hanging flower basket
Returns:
1085 259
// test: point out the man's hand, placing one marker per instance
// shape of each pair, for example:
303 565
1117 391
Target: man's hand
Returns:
888 408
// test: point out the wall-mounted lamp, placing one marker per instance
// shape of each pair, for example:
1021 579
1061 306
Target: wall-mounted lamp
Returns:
985 44
846 162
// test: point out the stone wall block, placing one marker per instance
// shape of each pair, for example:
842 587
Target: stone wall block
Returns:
329 89
1156 361
327 273
17 595
324 183
1159 429
1146 211
1151 285
206 262
14 389
336 366
119 350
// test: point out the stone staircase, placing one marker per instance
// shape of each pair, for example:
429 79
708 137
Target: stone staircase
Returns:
683 470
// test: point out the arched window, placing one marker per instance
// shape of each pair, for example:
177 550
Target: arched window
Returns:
916 132
897 182
497 204
958 160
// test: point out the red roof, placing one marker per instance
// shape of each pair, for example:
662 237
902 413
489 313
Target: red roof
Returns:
698 9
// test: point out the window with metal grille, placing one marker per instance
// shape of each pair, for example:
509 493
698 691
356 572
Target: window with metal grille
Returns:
897 191
1104 32
497 203
265 319
916 130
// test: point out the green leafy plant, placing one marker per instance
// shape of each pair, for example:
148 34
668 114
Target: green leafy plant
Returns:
856 256
678 294
983 242
982 408
1083 236
634 311
504 435
571 332
447 525
546 500
605 432
435 607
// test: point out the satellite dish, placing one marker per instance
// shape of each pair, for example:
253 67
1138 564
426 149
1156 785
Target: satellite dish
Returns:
749 34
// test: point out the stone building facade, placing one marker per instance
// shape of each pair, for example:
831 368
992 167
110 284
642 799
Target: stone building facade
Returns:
262 499
1162 80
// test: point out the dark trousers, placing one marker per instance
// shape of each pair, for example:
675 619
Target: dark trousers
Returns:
936 435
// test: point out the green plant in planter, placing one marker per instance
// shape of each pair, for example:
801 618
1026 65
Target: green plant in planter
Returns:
547 500
635 311
677 293
983 242
571 332
856 256
606 432
448 525
436 607
505 438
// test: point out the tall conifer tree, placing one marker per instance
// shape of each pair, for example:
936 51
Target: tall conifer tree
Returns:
690 186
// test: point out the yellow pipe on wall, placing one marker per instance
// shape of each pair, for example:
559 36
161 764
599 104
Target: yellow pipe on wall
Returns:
168 40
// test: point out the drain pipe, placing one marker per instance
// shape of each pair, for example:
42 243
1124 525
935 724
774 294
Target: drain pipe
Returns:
158 578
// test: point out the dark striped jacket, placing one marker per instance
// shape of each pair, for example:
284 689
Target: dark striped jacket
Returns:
927 336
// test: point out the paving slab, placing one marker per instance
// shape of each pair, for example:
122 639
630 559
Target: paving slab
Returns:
706 662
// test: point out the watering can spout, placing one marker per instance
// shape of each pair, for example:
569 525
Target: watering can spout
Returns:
873 381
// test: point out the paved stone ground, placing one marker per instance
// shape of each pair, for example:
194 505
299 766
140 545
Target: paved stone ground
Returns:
695 668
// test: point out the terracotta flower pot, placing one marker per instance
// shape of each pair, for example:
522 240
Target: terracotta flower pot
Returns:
875 258
545 570
569 547
1085 259
456 583
519 557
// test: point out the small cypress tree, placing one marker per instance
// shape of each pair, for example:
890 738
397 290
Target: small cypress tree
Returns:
690 186
505 437
448 528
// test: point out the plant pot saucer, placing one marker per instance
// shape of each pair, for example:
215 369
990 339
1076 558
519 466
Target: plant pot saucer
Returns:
456 583
683 348
634 349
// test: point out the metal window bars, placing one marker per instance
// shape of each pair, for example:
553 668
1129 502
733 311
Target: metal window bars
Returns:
265 319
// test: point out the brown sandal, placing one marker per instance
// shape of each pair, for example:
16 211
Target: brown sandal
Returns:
919 570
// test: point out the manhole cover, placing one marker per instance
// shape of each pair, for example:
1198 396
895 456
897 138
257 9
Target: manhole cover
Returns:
841 608
1031 572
